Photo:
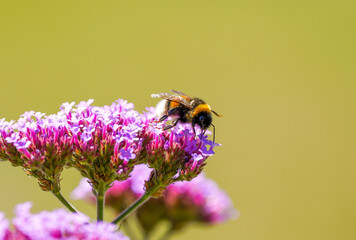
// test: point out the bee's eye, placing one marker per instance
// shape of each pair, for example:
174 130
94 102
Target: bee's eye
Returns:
201 118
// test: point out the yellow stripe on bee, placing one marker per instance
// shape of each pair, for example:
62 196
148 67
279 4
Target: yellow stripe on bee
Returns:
201 108
175 104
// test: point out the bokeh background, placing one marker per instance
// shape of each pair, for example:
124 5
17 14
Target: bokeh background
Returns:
281 72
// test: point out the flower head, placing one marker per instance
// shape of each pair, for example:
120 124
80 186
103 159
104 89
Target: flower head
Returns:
200 196
106 140
59 224
176 155
40 144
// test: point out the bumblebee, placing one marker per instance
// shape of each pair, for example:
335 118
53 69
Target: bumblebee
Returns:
180 107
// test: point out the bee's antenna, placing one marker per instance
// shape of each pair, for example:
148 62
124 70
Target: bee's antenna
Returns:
213 132
216 113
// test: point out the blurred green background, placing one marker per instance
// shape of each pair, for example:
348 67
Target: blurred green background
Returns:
281 72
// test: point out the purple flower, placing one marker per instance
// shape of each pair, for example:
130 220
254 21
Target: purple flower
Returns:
28 115
67 107
191 146
127 133
209 143
14 137
38 115
59 224
123 105
82 106
197 157
127 154
85 136
23 143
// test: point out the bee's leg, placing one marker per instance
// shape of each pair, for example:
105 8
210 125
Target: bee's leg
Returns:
175 121
164 117
172 111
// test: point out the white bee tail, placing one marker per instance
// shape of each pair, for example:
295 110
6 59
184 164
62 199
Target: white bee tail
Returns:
161 108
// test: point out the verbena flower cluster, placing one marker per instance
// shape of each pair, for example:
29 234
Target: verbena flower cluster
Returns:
58 224
38 143
103 143
199 200
106 141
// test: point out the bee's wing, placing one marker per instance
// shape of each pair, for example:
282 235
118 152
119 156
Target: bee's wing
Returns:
180 93
174 98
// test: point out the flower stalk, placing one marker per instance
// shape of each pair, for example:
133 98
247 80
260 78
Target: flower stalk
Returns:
145 197
100 203
69 206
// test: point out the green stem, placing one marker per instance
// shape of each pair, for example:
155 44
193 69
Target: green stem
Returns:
65 202
136 204
100 204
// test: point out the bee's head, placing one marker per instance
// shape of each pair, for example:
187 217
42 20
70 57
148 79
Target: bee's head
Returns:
203 119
